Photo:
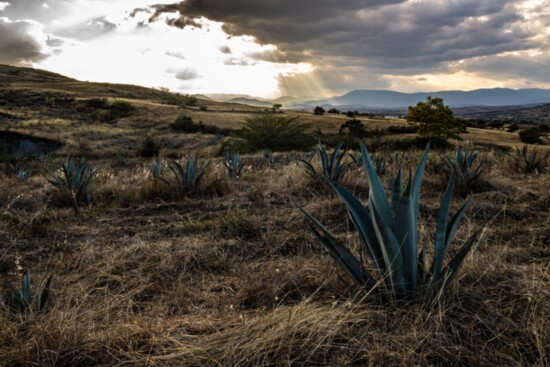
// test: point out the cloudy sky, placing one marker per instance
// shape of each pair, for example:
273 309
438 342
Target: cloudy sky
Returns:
269 48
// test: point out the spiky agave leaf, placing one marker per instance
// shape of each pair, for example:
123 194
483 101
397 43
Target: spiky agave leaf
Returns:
43 295
339 252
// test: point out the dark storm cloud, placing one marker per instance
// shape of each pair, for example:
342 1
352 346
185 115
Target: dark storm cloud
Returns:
389 34
510 67
21 42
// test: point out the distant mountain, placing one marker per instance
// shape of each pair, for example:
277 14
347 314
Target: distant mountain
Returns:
250 102
392 100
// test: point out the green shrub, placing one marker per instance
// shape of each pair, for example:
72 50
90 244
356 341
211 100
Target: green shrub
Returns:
531 135
276 132
388 233
149 147
120 109
97 103
184 123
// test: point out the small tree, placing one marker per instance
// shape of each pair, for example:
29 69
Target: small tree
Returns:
276 107
435 120
319 111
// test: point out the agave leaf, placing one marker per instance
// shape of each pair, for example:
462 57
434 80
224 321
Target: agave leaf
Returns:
362 221
43 295
440 243
377 192
397 191
393 256
451 271
26 292
407 237
452 226
349 263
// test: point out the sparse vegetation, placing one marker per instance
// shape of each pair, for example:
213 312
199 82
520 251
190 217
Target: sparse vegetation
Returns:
528 161
228 273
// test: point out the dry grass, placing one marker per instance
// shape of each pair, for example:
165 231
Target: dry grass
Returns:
231 276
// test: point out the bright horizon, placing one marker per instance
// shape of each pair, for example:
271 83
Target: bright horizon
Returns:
283 48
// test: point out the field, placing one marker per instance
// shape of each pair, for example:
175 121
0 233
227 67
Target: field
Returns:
231 275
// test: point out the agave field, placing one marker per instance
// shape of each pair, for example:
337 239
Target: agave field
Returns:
334 257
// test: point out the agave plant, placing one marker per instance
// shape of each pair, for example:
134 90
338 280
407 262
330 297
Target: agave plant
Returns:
332 166
388 233
380 163
465 169
189 175
157 170
231 162
529 161
268 155
20 300
74 179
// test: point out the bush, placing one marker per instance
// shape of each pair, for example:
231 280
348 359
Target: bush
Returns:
97 103
513 128
355 128
319 111
435 120
121 109
149 148
531 135
184 123
275 132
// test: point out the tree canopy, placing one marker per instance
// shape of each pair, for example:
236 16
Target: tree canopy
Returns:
436 120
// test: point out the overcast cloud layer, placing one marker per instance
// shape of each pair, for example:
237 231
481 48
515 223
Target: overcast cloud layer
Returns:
352 44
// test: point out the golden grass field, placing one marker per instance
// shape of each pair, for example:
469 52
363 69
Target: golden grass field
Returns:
232 276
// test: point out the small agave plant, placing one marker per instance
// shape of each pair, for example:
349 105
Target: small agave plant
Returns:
388 233
75 179
465 169
20 300
232 164
269 157
529 160
188 175
332 166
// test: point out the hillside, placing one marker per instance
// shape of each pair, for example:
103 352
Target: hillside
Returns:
537 114
155 264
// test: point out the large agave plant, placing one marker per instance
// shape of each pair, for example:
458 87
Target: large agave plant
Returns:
232 164
332 166
388 233
188 175
75 179
20 300
465 169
